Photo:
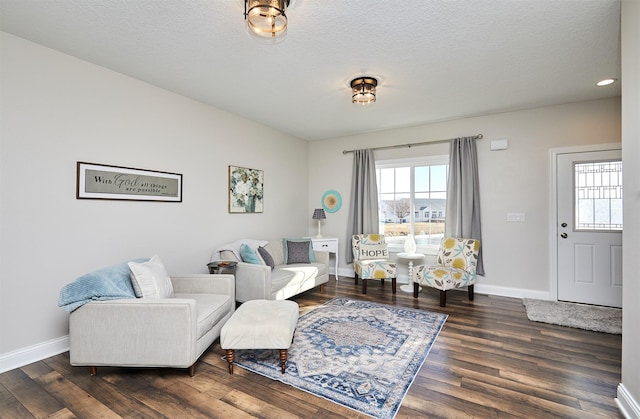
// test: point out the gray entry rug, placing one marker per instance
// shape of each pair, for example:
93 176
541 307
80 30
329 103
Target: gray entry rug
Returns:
580 316
359 354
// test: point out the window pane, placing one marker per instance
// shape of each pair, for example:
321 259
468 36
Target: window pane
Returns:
422 178
403 179
439 178
616 214
585 213
439 195
386 180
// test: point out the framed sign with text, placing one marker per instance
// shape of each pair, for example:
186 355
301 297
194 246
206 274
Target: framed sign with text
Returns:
100 181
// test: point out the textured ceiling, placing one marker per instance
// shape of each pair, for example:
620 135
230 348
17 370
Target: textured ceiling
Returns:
435 60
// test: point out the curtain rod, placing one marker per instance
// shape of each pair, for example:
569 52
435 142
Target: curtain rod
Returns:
475 137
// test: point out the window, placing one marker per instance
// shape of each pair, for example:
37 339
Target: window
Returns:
412 199
598 196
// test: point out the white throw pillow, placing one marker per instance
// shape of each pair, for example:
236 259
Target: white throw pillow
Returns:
373 251
150 279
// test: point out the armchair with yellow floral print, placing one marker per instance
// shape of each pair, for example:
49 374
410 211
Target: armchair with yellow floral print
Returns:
370 260
455 268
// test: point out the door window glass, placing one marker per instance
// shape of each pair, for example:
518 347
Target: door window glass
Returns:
598 195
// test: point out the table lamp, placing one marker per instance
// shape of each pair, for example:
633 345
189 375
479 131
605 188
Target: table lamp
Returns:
318 214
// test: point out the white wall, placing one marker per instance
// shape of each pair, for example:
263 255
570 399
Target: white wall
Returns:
629 389
57 110
516 255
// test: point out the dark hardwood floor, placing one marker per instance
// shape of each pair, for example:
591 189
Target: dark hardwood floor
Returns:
489 361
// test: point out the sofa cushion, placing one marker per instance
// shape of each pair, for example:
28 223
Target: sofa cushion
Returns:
280 277
373 251
297 252
210 308
150 279
284 275
266 256
309 269
249 255
275 249
298 248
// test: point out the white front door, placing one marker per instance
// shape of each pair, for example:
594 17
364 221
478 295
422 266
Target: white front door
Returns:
589 231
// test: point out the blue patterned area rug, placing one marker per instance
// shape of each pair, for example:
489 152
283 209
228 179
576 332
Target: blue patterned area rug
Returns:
359 354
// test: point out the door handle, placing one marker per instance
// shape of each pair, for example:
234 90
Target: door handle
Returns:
563 224
564 235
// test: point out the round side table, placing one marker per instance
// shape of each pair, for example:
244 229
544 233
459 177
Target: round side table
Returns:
410 257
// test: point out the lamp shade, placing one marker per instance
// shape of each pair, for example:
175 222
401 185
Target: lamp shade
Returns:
266 18
318 214
363 90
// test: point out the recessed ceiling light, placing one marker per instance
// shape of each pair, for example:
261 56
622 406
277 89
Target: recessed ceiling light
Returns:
606 82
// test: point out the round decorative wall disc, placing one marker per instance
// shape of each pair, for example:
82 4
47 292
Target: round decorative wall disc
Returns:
331 201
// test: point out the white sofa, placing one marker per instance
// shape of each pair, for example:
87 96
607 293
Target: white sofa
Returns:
260 282
153 332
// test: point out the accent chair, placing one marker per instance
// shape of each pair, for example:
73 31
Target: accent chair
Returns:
370 260
455 268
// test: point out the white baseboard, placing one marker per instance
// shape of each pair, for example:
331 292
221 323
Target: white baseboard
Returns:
510 292
627 405
34 353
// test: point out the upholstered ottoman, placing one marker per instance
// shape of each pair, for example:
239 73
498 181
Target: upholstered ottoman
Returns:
260 324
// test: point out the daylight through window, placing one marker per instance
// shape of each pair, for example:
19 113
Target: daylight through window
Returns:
412 199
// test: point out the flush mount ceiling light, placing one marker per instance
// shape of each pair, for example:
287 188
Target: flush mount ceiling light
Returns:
266 18
606 82
363 90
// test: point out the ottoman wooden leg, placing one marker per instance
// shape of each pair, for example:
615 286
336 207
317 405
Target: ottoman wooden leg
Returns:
283 359
231 356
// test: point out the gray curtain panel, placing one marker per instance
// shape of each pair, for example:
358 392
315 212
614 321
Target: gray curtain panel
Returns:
363 209
463 194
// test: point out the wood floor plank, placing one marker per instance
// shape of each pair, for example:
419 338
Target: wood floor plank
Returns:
489 361
413 407
62 414
37 369
539 407
169 403
286 397
11 407
36 399
77 400
102 390
533 390
259 408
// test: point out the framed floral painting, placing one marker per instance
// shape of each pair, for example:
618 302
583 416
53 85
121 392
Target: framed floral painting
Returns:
245 190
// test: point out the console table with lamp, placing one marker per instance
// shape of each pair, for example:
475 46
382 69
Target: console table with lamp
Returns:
324 244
